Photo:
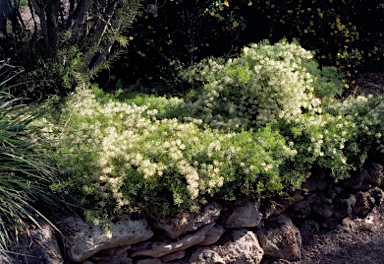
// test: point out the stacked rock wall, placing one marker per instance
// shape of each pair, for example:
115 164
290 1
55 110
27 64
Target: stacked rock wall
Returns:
246 231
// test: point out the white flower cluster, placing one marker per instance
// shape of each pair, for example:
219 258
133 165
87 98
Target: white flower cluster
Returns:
265 84
367 114
125 141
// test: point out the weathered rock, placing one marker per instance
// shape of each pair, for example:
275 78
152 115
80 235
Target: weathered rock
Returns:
355 181
242 248
322 207
366 201
376 174
212 236
118 255
173 256
244 216
149 261
302 209
86 239
348 225
39 246
315 203
206 255
269 209
160 249
280 238
343 206
177 226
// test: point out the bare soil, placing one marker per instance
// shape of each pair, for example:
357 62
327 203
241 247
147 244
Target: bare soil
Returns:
356 241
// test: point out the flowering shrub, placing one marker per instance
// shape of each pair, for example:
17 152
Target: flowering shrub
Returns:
265 84
367 115
258 125
121 157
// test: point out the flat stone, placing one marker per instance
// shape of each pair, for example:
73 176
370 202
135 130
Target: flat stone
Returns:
173 256
213 235
86 239
160 249
149 261
116 255
177 226
248 215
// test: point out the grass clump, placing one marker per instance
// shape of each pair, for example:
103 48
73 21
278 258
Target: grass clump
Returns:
26 167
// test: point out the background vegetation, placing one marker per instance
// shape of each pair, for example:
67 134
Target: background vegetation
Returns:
346 34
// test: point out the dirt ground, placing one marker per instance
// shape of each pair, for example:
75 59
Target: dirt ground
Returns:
356 241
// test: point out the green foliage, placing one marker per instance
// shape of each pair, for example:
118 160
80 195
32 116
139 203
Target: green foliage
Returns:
265 84
122 157
157 155
66 44
26 167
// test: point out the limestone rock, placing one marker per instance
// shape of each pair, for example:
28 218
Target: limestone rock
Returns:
86 239
173 256
160 249
244 216
280 239
243 247
117 255
149 261
205 255
177 226
212 236
366 201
